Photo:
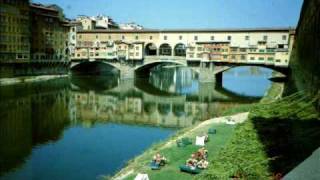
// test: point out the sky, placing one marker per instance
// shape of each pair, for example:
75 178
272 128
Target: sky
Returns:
170 14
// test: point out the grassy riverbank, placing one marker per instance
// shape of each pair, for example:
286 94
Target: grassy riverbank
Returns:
178 155
277 136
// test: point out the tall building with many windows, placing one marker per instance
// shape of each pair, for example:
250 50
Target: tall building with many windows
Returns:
49 33
14 30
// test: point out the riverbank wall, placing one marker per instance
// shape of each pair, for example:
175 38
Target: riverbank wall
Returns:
33 68
305 57
31 71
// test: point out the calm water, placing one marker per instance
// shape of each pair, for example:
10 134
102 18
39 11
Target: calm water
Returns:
85 127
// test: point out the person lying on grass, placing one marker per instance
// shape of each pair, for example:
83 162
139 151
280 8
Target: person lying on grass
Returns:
202 164
160 160
202 154
192 162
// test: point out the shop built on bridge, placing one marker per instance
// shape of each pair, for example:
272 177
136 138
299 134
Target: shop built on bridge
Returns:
209 52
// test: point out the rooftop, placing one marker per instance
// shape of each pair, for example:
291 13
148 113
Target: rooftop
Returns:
272 29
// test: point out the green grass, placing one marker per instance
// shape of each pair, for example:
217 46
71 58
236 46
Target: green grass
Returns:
277 137
178 155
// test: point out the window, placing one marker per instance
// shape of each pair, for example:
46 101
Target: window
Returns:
261 50
265 38
180 37
137 37
150 37
243 57
137 54
199 55
229 38
191 55
270 50
199 48
122 37
233 49
247 38
225 56
278 60
196 38
137 47
284 37
252 58
212 38
261 58
165 37
270 58
80 36
109 37
233 57
243 50
97 36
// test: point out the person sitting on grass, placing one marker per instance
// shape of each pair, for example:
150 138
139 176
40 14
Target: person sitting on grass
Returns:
160 160
192 162
202 164
202 153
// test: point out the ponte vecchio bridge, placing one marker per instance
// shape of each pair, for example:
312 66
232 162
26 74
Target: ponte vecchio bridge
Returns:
208 51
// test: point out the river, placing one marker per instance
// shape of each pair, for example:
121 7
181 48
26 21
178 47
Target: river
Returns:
83 127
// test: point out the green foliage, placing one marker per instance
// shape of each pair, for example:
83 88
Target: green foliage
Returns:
277 136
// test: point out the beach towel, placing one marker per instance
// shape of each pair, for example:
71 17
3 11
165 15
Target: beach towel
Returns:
142 177
200 140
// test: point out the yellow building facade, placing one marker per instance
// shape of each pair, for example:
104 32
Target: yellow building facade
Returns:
14 30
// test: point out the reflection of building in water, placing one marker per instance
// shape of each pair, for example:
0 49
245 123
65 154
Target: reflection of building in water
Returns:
173 79
29 120
132 106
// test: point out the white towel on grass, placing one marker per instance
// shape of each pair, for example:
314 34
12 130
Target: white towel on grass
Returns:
142 177
200 140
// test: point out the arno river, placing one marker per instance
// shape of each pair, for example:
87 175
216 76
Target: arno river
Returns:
85 127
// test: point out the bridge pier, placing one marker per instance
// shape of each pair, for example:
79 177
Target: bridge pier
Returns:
126 72
206 74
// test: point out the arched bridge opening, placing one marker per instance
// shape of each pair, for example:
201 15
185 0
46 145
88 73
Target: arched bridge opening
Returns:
221 68
94 68
151 49
282 69
144 70
180 50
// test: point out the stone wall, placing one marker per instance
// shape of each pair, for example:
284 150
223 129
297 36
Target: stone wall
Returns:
305 57
15 69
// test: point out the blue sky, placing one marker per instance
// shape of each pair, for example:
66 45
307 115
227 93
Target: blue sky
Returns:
189 13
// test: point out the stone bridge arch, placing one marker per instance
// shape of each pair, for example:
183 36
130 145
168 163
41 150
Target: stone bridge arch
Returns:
95 67
221 67
144 69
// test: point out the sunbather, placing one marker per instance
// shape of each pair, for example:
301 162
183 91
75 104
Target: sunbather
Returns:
158 159
192 162
203 164
203 153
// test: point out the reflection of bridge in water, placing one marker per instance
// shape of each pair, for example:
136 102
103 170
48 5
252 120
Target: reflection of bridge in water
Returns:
129 103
